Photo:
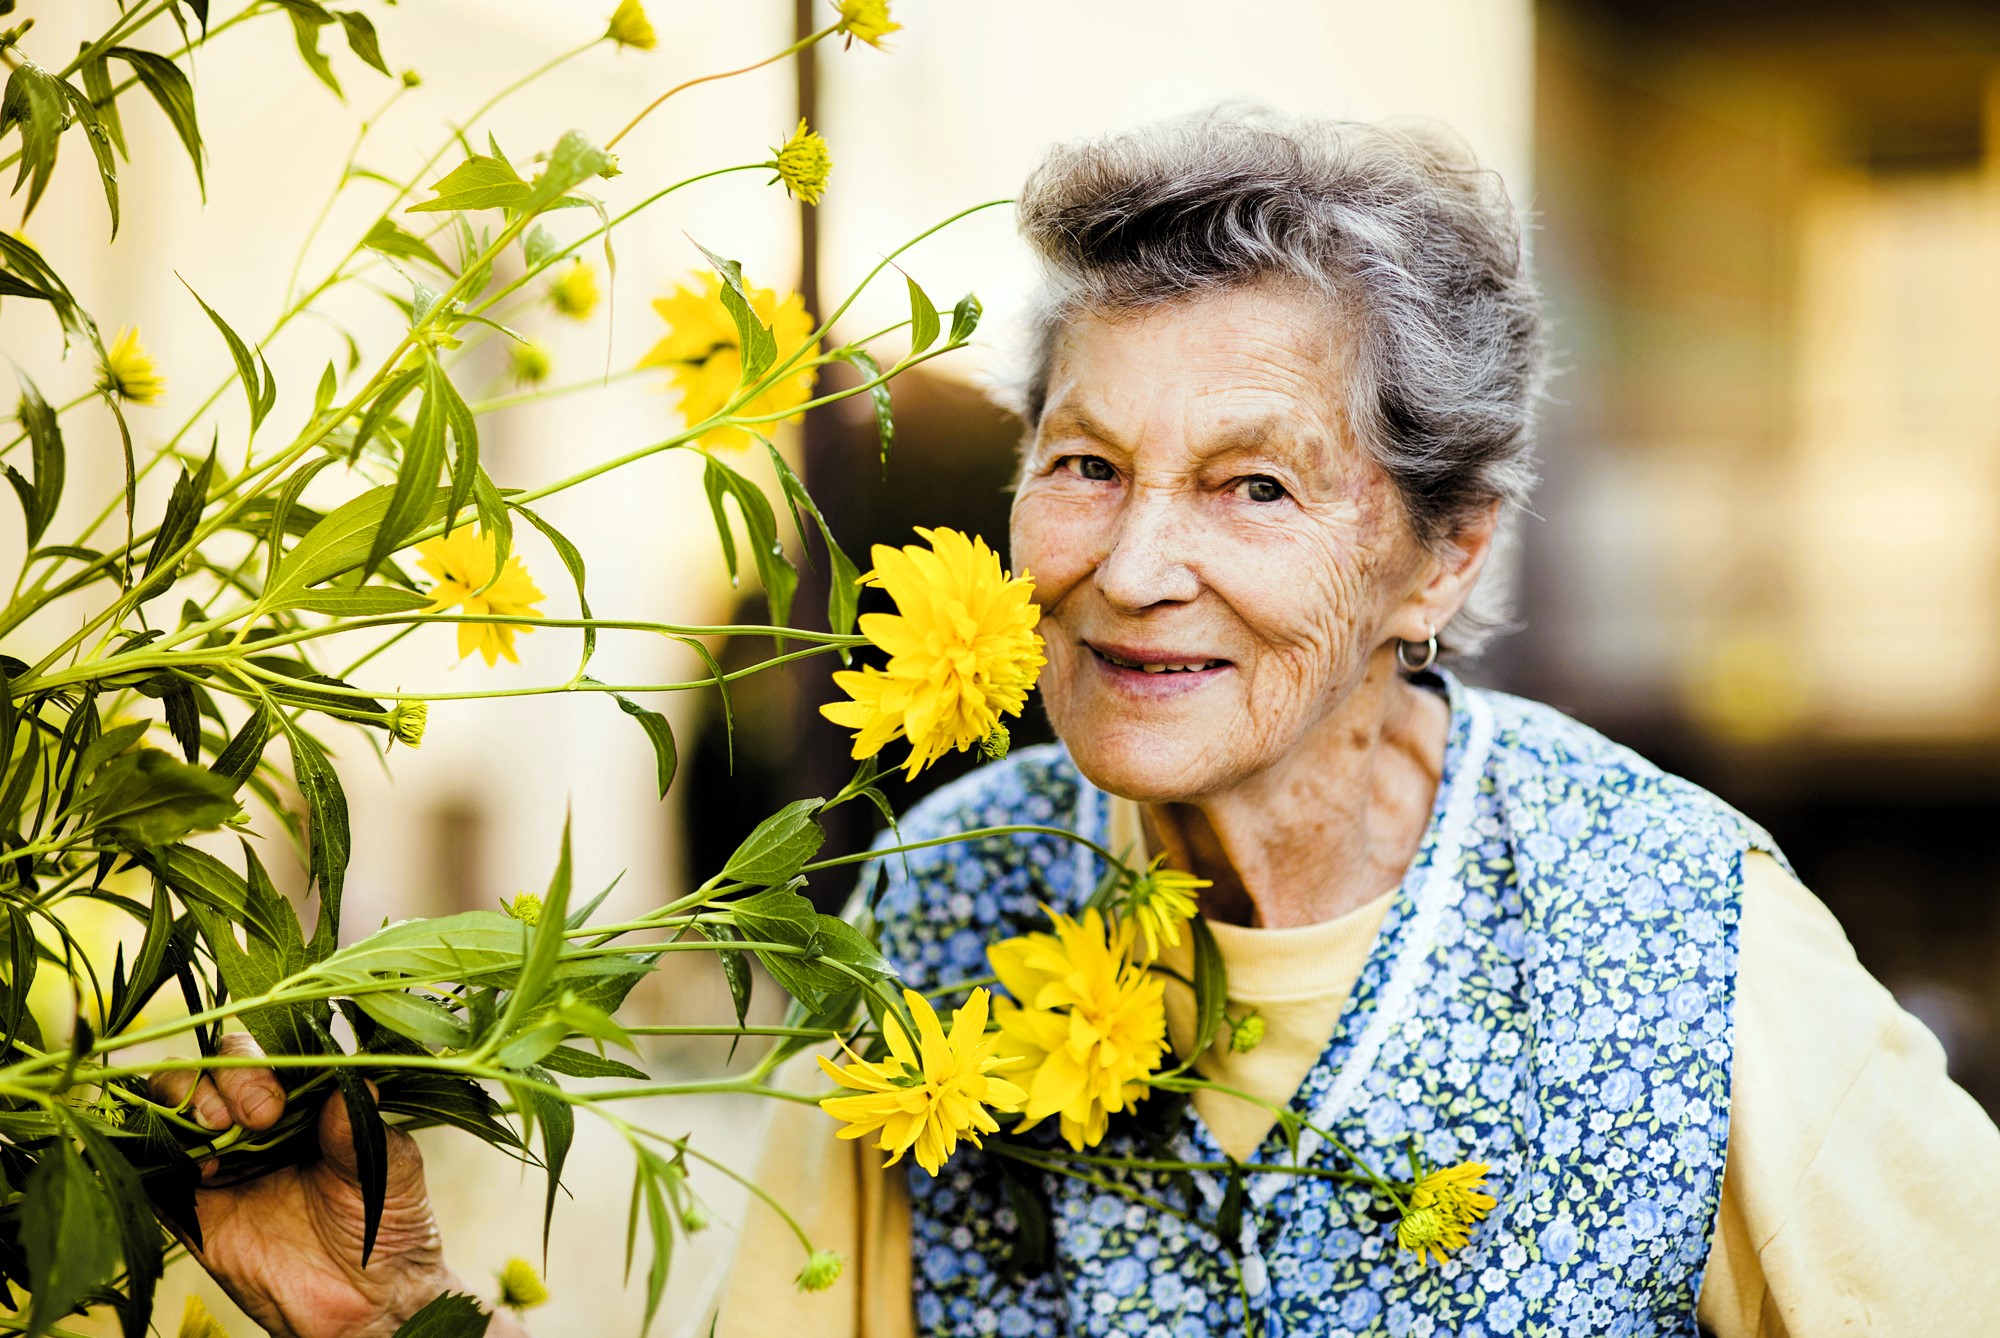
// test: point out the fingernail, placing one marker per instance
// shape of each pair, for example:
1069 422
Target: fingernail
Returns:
210 1111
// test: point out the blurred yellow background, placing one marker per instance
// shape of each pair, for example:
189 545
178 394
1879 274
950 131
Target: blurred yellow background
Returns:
1766 551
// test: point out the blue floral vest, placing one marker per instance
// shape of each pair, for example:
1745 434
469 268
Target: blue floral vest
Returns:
1550 993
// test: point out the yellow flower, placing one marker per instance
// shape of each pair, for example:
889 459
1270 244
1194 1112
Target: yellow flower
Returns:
804 164
462 561
197 1322
1088 1023
630 26
407 721
962 650
525 907
521 1288
1443 1206
531 363
866 19
575 294
128 370
928 1095
821 1271
1161 901
702 350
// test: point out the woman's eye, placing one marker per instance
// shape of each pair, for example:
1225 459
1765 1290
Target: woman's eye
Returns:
1093 467
1263 488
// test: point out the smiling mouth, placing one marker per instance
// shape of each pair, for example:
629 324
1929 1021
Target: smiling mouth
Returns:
1157 667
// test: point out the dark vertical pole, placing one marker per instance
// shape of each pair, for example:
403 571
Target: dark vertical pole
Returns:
821 760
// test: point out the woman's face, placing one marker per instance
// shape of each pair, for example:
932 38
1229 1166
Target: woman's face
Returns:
1217 560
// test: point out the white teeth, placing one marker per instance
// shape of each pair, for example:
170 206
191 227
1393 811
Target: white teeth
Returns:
1189 668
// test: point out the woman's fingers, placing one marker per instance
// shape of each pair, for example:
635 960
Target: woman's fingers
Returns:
206 1107
255 1098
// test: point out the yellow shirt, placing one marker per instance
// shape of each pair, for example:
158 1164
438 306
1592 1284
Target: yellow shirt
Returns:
1861 1192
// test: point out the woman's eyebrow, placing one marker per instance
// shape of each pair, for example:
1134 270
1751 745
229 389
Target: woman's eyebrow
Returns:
1274 435
1069 421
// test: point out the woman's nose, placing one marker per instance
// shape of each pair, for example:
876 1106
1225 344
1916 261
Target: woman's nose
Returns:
1147 562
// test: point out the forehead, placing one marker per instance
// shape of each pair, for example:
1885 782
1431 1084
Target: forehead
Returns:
1245 353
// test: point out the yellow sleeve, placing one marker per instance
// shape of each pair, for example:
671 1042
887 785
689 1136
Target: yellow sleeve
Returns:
1862 1189
839 1193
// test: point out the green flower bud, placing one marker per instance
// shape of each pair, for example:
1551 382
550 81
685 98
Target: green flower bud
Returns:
407 723
821 1271
1247 1032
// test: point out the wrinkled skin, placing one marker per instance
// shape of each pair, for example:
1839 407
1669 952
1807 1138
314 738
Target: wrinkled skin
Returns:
1193 496
287 1246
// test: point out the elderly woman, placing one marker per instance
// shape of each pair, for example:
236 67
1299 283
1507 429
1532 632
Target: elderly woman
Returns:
1279 408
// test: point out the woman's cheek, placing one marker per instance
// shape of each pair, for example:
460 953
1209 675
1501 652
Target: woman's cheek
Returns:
1052 540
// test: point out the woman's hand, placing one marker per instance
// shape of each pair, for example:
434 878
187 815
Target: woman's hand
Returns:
287 1246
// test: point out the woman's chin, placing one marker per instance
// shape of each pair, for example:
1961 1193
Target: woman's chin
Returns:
1147 766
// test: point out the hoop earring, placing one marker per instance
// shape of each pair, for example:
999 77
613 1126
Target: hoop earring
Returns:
1430 653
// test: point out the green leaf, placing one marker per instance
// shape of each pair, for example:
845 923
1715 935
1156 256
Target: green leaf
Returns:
184 507
171 89
545 947
147 973
736 972
658 732
573 161
446 1100
361 39
538 246
391 238
34 101
246 748
45 443
368 601
28 275
567 1059
339 543
775 571
479 182
558 1123
138 1232
843 595
464 431
68 1233
842 942
965 318
471 947
878 395
99 136
652 1175
287 499
572 561
423 1020
416 479
778 848
451 1315
1211 986
923 319
97 87
254 389
329 841
308 17
756 341
371 1143
151 799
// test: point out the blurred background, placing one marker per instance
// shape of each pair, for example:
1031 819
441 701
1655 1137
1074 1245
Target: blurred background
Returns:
1766 551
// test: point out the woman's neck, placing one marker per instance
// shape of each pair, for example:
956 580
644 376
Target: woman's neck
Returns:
1332 826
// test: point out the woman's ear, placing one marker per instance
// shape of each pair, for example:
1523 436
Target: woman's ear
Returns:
1451 575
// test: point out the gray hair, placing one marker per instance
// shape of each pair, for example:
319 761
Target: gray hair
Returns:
1416 247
